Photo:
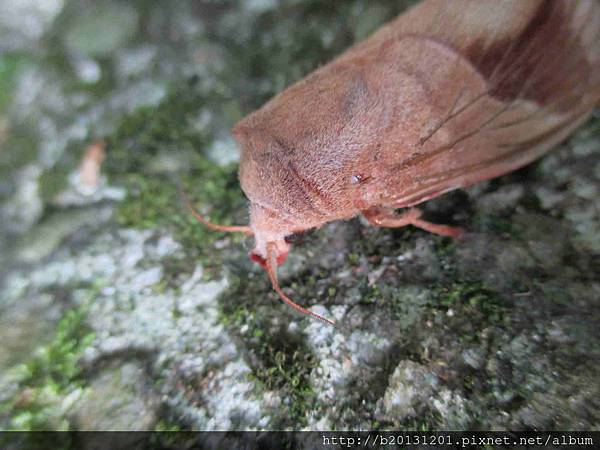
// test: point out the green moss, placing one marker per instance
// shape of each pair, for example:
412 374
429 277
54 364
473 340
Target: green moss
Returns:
153 198
52 182
426 422
51 375
156 129
494 223
279 361
163 425
23 149
55 179
286 367
170 435
153 202
444 247
353 258
471 300
10 66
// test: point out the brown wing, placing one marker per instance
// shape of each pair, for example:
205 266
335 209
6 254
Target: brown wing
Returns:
519 82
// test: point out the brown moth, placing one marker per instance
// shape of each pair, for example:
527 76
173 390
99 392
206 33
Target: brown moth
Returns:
448 94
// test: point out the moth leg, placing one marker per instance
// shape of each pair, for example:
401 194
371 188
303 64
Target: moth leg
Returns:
382 217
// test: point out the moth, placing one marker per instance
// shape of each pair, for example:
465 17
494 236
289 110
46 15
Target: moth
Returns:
448 94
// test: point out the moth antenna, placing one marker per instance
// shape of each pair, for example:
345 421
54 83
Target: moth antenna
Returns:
214 226
271 266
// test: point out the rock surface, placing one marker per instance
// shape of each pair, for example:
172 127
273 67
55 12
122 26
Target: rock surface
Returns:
118 311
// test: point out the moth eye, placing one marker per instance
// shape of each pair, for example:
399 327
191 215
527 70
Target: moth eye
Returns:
355 179
299 236
293 238
358 178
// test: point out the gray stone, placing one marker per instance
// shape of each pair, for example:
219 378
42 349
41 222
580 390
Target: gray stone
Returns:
23 22
119 398
410 391
473 358
101 29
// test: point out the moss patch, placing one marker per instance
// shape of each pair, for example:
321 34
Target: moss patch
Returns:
150 130
51 375
53 181
279 361
10 66
494 223
153 200
472 302
23 149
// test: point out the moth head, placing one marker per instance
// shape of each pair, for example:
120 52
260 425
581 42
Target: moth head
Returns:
271 233
272 237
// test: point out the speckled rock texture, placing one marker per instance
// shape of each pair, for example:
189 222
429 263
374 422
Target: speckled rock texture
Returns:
118 311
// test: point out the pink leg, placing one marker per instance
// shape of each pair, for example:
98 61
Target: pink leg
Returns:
381 217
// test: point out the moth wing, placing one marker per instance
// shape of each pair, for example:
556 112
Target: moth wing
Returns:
497 106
